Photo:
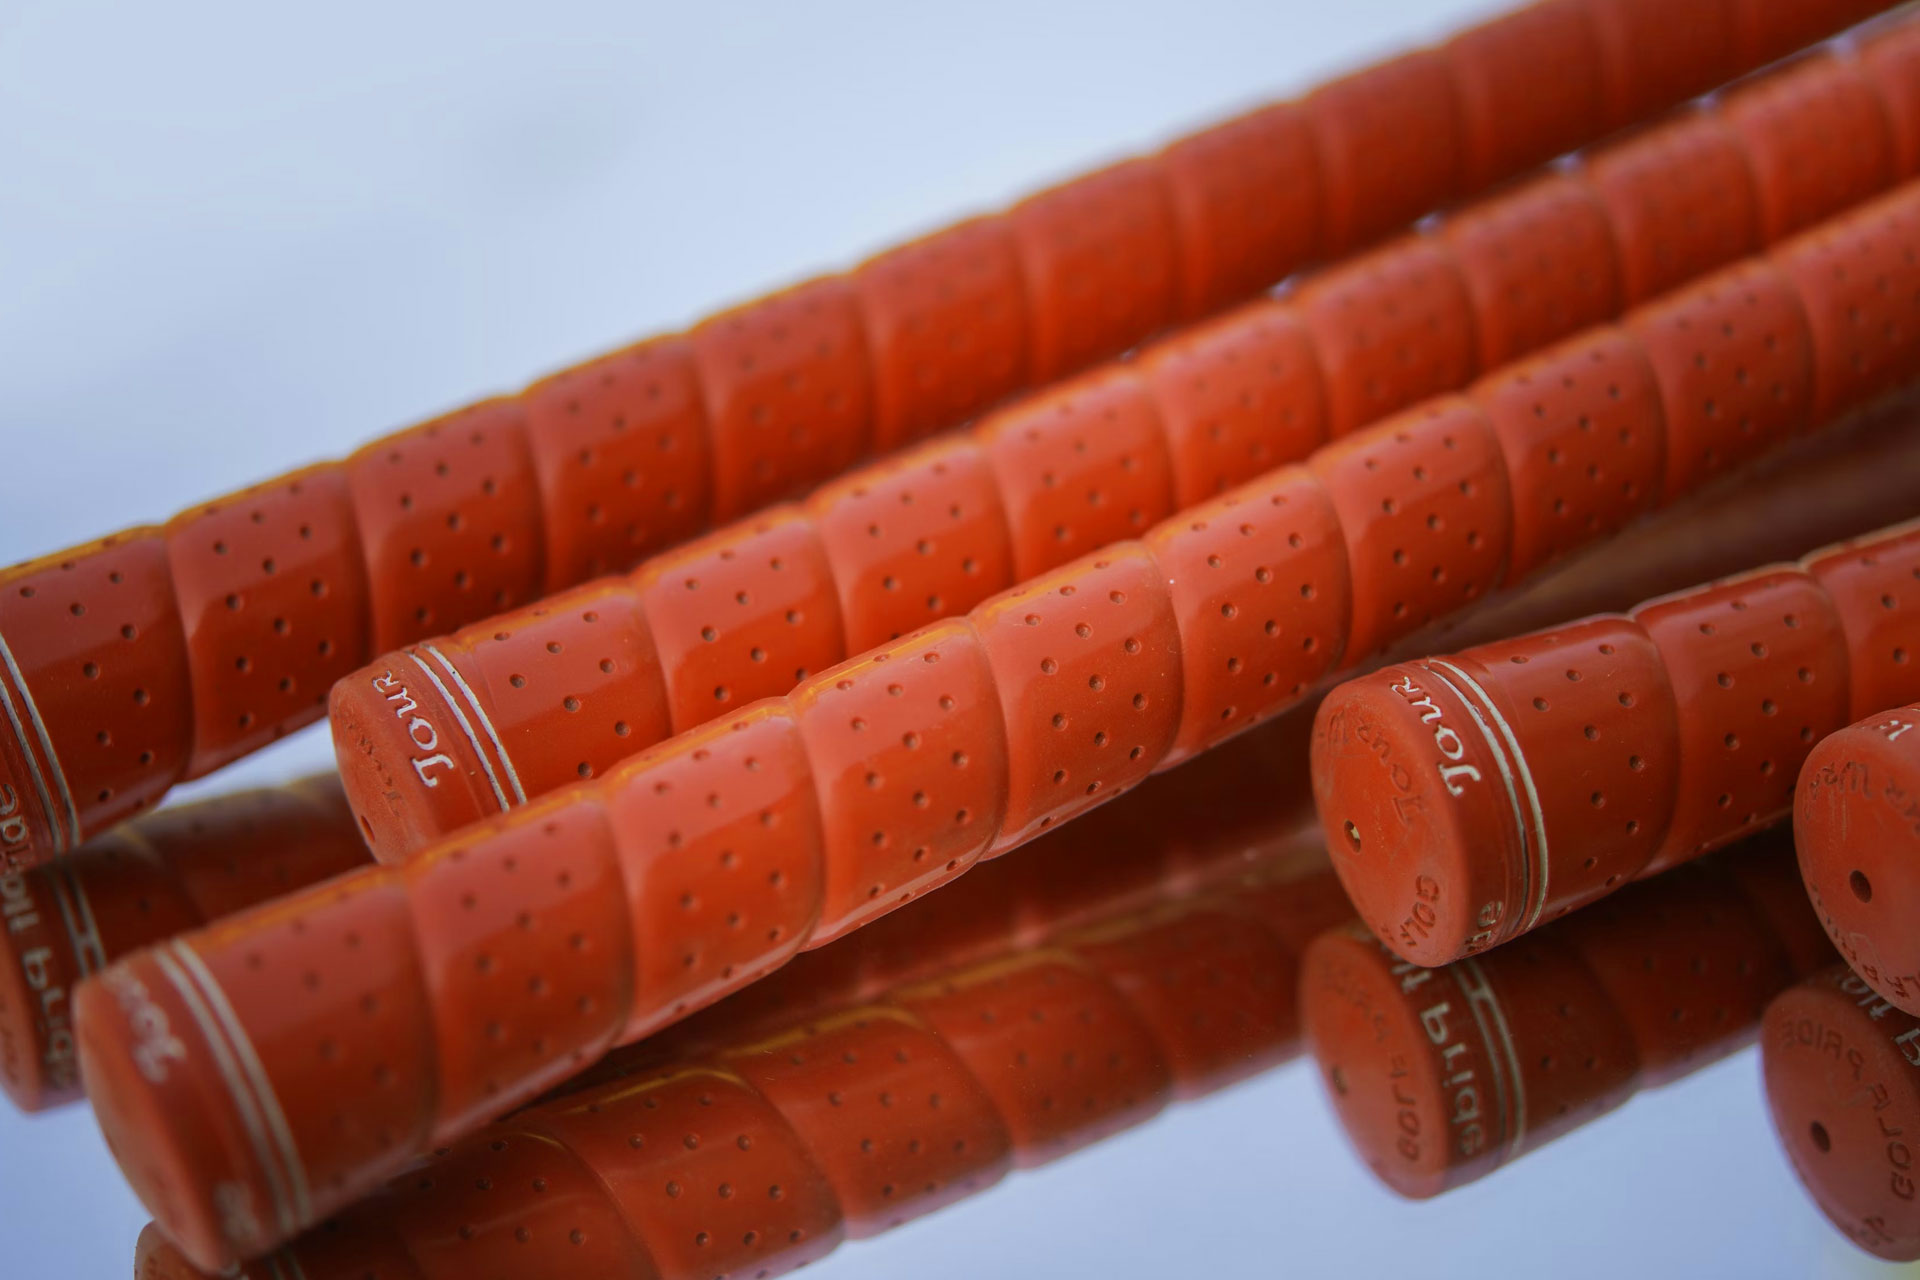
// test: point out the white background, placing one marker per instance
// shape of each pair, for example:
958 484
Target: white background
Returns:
237 237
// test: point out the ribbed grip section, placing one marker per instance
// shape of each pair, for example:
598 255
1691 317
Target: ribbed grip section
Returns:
1856 815
1440 1076
162 874
768 1149
607 910
1471 797
566 689
251 606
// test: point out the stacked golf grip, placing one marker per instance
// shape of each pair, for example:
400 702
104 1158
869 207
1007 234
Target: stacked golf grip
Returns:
449 731
1471 797
162 874
160 653
1856 821
1440 1076
430 996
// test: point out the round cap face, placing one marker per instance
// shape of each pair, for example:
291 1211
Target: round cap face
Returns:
1409 788
1842 1075
1856 825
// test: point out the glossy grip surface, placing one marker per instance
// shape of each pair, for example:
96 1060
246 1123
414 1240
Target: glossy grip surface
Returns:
1856 822
1473 796
610 909
249 608
565 689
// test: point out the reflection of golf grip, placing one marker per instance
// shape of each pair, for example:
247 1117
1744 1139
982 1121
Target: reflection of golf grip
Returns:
567 688
162 874
766 1152
1440 1076
1841 1068
161 653
1475 796
1246 803
501 961
1856 820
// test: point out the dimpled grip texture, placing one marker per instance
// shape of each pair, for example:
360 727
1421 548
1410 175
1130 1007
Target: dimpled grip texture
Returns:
507 957
1469 798
160 654
449 731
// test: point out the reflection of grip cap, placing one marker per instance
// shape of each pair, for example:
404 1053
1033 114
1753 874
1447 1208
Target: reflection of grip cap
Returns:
159 875
1441 1075
1842 1075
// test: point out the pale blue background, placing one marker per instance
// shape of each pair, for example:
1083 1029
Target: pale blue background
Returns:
233 239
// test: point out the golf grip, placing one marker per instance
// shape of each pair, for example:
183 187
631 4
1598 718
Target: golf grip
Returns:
1856 818
1471 797
158 654
428 997
449 731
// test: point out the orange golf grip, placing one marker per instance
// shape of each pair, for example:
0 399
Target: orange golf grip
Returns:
503 960
1856 822
162 874
448 731
160 653
1441 1076
765 1153
1841 1068
1478 795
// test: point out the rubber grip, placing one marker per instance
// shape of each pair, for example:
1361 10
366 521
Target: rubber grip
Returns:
592 469
167 872
1817 127
1671 730
1856 821
766 1150
1837 1063
1651 52
1440 1076
709 859
933 532
1184 829
1100 261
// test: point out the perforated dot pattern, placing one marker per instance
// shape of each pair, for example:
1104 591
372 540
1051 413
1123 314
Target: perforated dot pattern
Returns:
1511 783
1085 666
596 467
1104 456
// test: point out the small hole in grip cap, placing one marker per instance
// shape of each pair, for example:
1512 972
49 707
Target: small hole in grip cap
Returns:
1818 1132
1353 835
1862 889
